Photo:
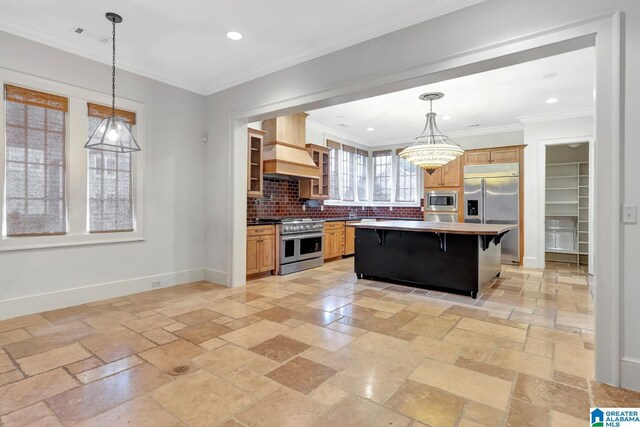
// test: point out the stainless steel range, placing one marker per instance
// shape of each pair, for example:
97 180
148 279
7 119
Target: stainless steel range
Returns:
301 244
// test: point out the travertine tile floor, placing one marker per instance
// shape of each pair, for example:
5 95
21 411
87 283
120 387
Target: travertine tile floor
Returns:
314 348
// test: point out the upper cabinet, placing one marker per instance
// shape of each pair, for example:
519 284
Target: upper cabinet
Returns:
448 175
255 140
493 155
317 188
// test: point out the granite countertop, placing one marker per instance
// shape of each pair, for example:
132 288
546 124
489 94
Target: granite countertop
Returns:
262 222
438 227
367 217
271 221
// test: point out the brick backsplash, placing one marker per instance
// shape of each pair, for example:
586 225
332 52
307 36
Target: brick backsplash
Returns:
285 203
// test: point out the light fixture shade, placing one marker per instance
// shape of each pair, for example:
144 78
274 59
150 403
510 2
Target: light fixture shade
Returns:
429 156
432 149
113 135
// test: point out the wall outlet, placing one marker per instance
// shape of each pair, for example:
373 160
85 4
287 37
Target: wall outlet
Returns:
321 208
390 208
629 214
155 284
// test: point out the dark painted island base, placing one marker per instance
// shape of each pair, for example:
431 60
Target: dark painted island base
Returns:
428 260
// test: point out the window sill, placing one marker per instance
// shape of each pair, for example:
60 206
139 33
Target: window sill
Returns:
373 204
9 244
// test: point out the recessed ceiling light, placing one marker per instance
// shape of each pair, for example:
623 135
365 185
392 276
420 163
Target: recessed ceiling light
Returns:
549 75
234 35
343 125
551 100
370 129
446 117
475 125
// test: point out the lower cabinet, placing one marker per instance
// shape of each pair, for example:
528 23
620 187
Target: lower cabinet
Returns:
333 239
260 249
349 240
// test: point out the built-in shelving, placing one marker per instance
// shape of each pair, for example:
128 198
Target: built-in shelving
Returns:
566 209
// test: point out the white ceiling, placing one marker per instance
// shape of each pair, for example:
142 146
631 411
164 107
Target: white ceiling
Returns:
495 100
184 42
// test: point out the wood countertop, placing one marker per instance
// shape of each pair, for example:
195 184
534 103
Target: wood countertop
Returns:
438 227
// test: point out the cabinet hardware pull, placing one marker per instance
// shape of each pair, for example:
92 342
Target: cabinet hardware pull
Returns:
258 230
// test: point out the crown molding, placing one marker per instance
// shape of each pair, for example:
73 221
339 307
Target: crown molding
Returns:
514 127
402 18
566 114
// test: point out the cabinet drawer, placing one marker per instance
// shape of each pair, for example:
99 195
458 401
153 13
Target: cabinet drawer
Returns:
333 225
261 230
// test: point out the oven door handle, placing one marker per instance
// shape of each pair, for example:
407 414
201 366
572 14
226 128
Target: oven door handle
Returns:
300 236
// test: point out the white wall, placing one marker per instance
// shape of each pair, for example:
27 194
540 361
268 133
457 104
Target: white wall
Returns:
363 67
534 167
175 183
501 139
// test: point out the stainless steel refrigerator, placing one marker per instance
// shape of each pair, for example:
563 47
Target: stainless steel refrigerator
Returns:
492 196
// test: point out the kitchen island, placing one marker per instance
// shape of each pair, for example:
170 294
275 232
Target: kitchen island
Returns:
456 256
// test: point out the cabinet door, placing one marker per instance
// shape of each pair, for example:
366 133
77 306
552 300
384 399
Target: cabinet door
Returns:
253 255
477 157
337 242
451 173
328 244
254 163
349 240
266 253
507 155
434 179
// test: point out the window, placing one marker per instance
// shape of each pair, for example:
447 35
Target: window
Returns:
347 172
406 180
361 174
53 191
35 196
109 179
382 163
334 184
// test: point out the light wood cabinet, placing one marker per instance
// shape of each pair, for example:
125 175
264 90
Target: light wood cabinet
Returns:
433 179
333 239
317 188
493 155
479 157
506 155
448 175
260 249
349 239
255 140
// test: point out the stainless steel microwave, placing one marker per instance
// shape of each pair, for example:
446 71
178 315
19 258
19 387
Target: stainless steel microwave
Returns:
441 201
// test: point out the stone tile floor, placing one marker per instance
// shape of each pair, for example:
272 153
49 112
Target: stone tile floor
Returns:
313 348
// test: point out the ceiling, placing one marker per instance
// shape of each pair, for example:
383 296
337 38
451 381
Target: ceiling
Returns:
184 43
496 100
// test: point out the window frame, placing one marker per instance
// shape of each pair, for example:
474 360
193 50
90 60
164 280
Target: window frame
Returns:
76 167
370 181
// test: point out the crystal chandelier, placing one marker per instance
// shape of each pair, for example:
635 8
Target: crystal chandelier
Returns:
113 134
432 148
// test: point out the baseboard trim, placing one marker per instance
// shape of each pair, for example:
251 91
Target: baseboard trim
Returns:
215 276
30 304
531 262
630 373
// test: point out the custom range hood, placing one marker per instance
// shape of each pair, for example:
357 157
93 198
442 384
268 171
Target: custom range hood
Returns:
284 151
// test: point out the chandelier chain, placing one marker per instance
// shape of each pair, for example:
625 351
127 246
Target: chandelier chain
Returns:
113 71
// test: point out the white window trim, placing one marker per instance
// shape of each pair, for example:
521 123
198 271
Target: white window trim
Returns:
394 178
76 167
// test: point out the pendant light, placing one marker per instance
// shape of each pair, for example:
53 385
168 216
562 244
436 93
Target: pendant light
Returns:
432 149
113 134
